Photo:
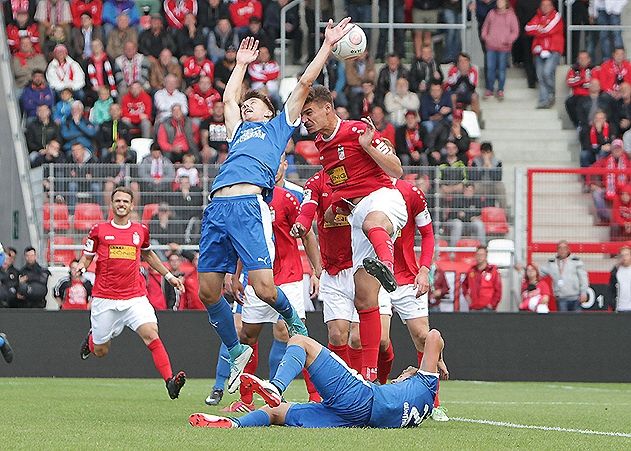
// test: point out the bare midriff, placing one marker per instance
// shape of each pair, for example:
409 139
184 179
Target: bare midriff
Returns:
240 189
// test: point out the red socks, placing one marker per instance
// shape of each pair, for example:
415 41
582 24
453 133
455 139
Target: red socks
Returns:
436 400
382 243
370 336
384 364
342 352
355 357
91 343
314 396
247 395
160 359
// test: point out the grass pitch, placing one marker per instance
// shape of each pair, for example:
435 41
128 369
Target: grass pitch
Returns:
137 414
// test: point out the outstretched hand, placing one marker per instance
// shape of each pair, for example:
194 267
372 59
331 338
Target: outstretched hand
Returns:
248 51
366 137
332 33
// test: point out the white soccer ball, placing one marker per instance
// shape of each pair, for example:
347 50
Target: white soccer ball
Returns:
351 45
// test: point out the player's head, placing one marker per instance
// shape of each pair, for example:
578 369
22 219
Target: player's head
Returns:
256 107
282 169
122 202
318 111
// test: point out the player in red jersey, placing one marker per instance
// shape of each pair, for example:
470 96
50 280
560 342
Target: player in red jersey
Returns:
119 296
360 165
337 290
410 299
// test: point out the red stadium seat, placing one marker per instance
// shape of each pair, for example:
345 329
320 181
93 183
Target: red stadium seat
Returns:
473 152
443 255
86 215
495 222
460 256
61 256
148 212
61 217
308 151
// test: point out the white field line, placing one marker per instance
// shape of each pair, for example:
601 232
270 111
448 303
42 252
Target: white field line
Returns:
541 428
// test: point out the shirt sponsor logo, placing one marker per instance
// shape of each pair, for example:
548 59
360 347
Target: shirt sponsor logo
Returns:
339 221
122 252
249 134
338 175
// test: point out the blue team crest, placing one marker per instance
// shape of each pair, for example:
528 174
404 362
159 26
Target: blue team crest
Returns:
340 152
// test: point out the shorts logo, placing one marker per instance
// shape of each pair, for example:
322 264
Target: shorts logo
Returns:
338 175
340 152
122 252
135 238
263 260
411 416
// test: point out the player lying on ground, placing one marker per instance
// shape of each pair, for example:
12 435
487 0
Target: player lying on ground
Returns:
347 399
5 348
119 297
237 222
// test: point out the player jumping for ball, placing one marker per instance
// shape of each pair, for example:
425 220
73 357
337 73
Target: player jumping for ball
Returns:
359 165
237 223
347 399
119 297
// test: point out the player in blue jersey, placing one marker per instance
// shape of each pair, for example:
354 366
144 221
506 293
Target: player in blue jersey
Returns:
347 399
236 226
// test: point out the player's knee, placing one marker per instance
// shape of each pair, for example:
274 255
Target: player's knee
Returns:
298 340
434 337
101 351
207 296
376 219
247 336
266 292
337 336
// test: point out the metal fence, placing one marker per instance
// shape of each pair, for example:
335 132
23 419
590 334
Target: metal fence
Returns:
468 205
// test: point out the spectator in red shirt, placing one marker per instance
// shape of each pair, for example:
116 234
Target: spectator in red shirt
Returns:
483 285
535 293
439 288
20 28
409 141
176 10
242 10
621 215
198 66
604 186
596 140
136 109
378 116
201 100
462 80
578 79
73 292
189 299
613 72
178 135
265 73
93 7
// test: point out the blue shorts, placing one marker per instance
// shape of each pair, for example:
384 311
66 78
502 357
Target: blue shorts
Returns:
238 227
346 396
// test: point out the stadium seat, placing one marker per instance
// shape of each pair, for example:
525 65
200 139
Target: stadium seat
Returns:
148 212
308 151
501 252
473 152
467 254
495 222
61 256
61 217
470 124
86 215
142 147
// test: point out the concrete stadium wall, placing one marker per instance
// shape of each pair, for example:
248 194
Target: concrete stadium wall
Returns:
491 347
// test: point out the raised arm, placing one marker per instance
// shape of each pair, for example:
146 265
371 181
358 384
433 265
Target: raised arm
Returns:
248 52
383 154
296 100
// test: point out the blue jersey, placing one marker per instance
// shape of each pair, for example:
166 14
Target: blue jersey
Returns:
254 154
405 404
294 189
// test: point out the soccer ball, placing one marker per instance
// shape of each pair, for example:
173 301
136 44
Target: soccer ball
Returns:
351 45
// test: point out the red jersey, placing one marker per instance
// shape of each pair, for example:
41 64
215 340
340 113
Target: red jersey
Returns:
284 208
117 249
189 300
15 33
195 69
406 266
74 292
242 10
176 10
132 107
352 172
612 75
484 287
93 7
530 299
335 237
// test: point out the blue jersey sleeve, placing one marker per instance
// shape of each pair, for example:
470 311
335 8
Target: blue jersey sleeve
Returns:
280 130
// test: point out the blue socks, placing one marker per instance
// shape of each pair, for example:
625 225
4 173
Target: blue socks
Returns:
282 305
290 366
2 343
276 353
223 368
253 419
220 317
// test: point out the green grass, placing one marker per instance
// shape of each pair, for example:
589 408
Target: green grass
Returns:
133 414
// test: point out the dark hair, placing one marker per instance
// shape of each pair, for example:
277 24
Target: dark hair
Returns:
486 146
481 247
29 249
10 249
436 83
123 189
37 71
253 94
76 144
393 55
616 49
319 94
463 55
